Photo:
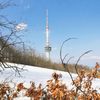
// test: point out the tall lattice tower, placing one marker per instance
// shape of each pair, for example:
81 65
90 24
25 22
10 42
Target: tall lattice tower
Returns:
47 45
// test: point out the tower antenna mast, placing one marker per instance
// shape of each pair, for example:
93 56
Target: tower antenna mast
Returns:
47 45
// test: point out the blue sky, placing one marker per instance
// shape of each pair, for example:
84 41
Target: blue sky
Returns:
67 18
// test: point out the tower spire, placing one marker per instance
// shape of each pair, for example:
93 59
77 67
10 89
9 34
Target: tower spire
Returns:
47 46
47 28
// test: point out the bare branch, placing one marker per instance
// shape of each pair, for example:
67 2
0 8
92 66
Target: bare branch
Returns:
65 65
8 40
61 58
79 60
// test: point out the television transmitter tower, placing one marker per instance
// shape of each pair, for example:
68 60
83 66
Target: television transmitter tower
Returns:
47 45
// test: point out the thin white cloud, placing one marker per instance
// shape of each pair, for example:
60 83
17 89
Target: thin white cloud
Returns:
21 1
27 6
92 57
21 26
54 49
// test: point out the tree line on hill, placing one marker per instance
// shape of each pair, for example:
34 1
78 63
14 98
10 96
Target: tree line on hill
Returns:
29 57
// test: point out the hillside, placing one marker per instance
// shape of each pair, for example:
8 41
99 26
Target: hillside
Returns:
39 75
